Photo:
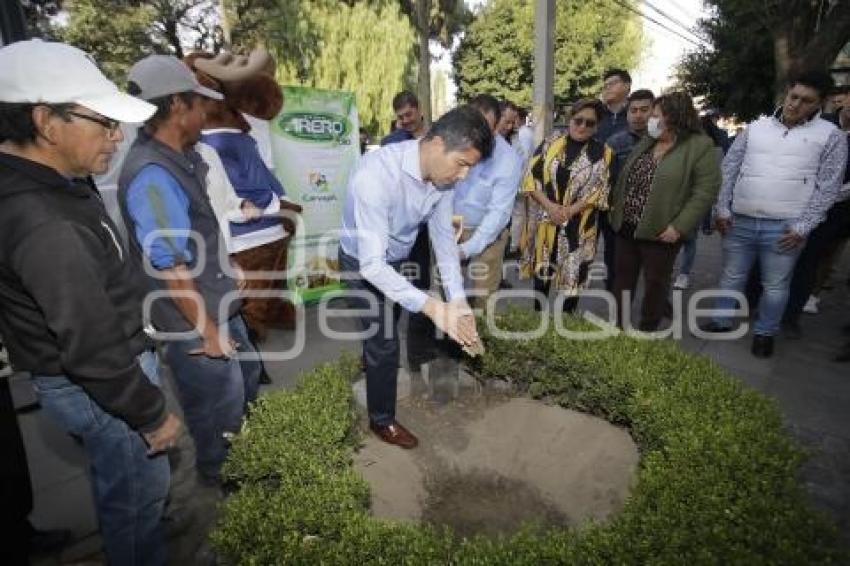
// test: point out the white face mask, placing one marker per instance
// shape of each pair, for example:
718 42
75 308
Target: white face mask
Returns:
653 127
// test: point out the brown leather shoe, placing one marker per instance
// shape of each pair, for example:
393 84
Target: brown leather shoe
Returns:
395 434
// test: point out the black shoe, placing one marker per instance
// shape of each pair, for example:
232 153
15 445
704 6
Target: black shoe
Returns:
715 328
792 330
762 346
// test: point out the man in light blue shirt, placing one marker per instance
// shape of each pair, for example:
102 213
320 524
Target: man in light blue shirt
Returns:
485 200
393 191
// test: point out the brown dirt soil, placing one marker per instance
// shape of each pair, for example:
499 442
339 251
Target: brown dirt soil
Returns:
488 463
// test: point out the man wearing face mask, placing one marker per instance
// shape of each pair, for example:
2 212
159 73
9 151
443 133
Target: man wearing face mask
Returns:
392 192
779 178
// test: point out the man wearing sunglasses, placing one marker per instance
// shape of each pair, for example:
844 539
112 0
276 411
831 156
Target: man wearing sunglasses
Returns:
70 302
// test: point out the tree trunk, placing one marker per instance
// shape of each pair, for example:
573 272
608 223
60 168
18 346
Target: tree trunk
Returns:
423 19
782 63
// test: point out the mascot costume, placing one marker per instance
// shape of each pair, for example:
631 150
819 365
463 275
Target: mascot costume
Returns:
251 95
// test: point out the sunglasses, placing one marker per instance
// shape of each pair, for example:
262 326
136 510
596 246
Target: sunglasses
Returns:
584 122
108 123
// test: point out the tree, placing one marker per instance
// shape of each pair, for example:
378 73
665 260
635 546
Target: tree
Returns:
756 44
437 20
496 54
363 47
282 26
38 15
120 32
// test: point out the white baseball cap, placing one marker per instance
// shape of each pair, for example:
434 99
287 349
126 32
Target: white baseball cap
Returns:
37 71
160 75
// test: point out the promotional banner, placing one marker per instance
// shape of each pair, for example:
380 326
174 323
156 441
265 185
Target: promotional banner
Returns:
315 145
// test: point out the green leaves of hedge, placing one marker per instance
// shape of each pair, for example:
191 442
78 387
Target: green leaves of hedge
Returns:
717 482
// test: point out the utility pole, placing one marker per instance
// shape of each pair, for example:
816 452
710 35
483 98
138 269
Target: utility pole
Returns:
423 19
544 68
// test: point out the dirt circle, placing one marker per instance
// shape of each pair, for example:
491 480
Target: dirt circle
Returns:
489 465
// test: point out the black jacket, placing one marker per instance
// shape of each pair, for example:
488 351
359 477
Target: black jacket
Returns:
611 122
70 301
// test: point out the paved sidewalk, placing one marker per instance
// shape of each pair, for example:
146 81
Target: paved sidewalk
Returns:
812 392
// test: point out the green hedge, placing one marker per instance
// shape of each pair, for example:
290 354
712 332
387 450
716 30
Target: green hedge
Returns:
717 482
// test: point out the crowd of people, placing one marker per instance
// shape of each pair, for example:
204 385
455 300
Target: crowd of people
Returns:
86 305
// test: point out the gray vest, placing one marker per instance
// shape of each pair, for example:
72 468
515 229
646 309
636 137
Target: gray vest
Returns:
212 283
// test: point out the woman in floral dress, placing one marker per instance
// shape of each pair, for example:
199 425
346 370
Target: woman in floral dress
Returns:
566 185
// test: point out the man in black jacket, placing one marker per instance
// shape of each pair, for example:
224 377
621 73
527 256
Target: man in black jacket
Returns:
70 302
616 85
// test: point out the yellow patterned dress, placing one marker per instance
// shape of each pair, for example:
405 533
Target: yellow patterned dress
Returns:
568 172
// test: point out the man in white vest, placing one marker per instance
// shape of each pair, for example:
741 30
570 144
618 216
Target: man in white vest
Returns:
779 178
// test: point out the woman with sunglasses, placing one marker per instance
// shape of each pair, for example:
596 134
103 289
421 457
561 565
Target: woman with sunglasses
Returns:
665 188
566 185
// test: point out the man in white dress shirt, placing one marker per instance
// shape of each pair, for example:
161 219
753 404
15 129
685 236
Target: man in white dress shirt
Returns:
393 191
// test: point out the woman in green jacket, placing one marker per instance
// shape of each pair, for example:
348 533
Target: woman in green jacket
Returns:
669 182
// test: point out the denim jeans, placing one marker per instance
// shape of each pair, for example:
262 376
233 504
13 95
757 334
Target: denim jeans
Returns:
689 254
748 240
214 394
130 487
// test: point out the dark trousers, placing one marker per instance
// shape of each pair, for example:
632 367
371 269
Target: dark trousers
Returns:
15 486
422 343
656 259
608 252
381 350
836 226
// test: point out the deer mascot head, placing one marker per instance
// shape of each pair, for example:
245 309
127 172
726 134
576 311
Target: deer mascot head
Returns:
247 83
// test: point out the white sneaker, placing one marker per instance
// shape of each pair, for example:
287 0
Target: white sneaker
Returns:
683 281
811 306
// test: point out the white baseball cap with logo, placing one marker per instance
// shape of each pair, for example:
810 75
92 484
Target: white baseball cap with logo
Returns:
36 71
161 75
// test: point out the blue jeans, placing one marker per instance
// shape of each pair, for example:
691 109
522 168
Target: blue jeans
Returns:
130 488
752 239
214 394
689 254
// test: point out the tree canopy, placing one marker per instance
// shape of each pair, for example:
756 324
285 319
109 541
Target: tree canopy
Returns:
756 44
433 20
496 55
364 46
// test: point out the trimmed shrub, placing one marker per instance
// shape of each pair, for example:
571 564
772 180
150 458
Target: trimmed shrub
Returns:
717 481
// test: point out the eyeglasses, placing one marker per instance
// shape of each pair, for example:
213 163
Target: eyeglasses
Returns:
108 123
611 82
584 122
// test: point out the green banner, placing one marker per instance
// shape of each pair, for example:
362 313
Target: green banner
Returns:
315 146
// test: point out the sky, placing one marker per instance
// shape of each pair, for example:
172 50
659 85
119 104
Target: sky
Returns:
663 48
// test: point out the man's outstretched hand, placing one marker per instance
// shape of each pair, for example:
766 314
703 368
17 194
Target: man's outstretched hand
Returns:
455 319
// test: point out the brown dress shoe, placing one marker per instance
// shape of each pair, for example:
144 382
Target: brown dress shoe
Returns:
395 434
